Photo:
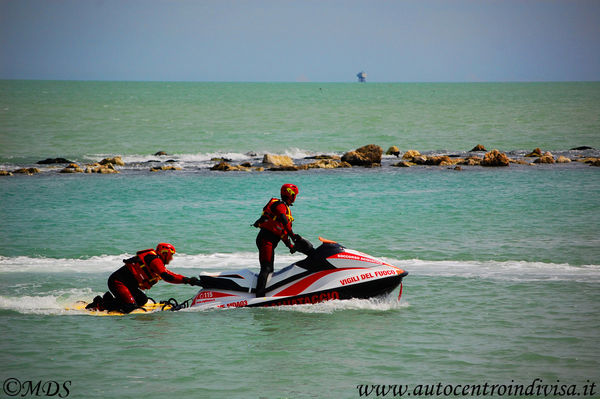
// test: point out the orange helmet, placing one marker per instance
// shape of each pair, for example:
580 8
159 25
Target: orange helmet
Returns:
289 193
165 251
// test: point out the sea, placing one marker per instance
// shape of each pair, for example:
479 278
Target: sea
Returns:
502 298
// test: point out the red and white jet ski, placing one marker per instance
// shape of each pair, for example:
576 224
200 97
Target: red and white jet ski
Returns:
329 272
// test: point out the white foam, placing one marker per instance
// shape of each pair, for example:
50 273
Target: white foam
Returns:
508 270
51 303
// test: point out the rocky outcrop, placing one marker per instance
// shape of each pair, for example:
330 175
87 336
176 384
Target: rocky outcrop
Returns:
114 160
478 148
470 161
5 173
410 154
563 159
546 158
49 161
535 153
27 171
393 150
326 164
164 167
102 169
226 167
72 168
368 155
495 158
160 153
277 161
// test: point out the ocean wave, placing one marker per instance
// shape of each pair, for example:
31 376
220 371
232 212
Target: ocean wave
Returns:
491 269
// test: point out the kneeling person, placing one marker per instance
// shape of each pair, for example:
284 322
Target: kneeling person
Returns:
139 273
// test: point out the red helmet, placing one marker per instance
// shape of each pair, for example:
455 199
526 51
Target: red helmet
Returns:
289 193
165 251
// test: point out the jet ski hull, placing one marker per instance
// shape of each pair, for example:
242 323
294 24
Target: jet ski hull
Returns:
331 272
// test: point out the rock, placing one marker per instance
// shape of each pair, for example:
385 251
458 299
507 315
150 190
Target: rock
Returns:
27 171
596 162
457 168
246 164
278 160
113 160
5 173
471 161
442 160
519 161
563 159
102 169
49 161
326 164
410 154
226 167
336 157
159 168
364 156
535 153
495 158
403 164
546 158
393 150
582 148
160 153
478 148
72 168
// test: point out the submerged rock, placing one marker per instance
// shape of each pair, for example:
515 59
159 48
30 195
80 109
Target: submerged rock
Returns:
160 153
367 155
49 161
582 148
495 158
159 168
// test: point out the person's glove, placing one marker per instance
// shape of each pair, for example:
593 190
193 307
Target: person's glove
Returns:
193 281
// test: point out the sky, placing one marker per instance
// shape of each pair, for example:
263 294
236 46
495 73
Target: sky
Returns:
301 40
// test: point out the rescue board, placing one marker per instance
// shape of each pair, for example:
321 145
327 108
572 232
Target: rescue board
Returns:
150 307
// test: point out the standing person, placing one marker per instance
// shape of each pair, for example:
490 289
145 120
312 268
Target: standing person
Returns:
275 224
139 273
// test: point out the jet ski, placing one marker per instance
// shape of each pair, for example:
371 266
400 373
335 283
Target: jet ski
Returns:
329 272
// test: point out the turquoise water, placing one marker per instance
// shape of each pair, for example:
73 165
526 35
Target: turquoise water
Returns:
504 263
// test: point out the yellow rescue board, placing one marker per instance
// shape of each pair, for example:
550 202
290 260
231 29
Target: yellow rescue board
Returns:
147 308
